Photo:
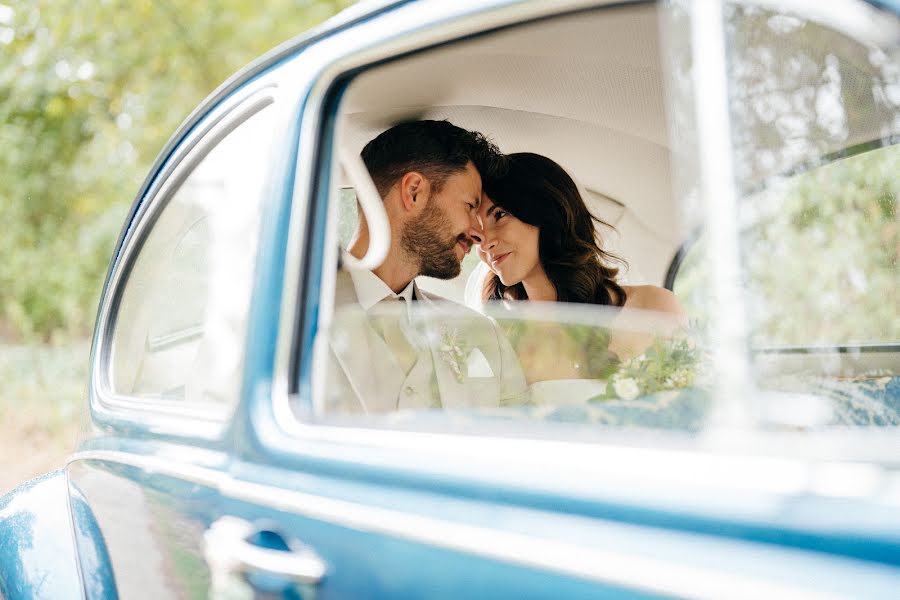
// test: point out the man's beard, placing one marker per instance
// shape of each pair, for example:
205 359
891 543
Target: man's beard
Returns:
425 238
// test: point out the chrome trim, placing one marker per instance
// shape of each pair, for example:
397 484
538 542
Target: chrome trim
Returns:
840 348
200 475
227 551
610 567
103 400
160 342
616 566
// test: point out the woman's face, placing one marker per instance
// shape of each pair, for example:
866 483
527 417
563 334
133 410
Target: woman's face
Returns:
508 246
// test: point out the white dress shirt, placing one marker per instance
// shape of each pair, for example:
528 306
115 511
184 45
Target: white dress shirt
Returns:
370 289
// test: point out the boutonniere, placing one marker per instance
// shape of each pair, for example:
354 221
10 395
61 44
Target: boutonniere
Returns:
453 351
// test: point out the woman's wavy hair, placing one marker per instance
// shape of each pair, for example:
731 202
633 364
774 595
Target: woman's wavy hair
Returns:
539 192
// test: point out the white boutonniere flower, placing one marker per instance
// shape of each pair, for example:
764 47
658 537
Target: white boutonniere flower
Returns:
453 352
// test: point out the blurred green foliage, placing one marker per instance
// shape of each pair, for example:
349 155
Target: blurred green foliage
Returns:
823 258
821 255
89 93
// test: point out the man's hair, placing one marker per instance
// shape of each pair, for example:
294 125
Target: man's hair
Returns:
436 149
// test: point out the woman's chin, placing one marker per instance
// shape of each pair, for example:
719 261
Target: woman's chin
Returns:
507 281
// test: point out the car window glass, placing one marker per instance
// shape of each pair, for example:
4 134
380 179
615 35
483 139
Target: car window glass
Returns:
445 359
180 325
827 259
813 123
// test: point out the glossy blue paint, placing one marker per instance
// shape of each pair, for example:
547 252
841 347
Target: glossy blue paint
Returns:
889 5
369 558
93 556
315 263
371 565
269 280
38 557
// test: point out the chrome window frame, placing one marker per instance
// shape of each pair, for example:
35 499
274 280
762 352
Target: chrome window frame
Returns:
107 406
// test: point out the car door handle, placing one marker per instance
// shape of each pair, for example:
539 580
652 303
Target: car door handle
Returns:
229 550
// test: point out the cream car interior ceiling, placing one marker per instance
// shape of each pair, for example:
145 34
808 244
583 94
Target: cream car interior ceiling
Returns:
585 90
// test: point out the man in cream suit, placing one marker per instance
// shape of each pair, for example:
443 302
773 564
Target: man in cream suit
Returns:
393 346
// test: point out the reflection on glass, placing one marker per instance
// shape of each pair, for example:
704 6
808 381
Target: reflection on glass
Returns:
184 308
550 362
802 92
815 112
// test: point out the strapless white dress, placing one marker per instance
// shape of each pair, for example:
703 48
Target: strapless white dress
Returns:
565 392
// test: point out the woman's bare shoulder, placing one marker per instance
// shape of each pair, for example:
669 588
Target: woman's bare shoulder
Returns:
651 297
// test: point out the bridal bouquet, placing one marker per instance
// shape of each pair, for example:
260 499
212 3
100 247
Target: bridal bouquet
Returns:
669 363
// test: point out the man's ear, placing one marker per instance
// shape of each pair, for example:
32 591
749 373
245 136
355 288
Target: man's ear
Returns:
415 189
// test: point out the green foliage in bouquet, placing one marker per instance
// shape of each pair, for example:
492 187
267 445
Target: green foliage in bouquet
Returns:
669 363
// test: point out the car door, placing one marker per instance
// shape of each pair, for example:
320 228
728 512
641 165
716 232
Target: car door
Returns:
167 355
507 504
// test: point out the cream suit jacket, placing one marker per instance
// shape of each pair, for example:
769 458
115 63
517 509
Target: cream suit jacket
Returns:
463 360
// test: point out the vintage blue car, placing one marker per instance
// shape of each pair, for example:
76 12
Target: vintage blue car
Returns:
745 153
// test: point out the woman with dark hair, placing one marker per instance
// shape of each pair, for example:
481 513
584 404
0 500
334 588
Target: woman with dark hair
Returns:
540 242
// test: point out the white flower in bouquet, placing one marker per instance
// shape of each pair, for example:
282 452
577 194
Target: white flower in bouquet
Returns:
681 378
626 388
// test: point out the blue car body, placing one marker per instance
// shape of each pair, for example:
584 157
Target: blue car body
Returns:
136 511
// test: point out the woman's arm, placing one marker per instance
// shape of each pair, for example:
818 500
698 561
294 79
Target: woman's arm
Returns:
638 331
651 297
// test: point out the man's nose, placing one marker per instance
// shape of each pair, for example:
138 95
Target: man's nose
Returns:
483 237
475 232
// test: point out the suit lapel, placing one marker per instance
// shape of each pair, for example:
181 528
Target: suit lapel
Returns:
361 353
376 379
450 390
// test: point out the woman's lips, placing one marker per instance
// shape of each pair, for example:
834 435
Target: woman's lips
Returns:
495 262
